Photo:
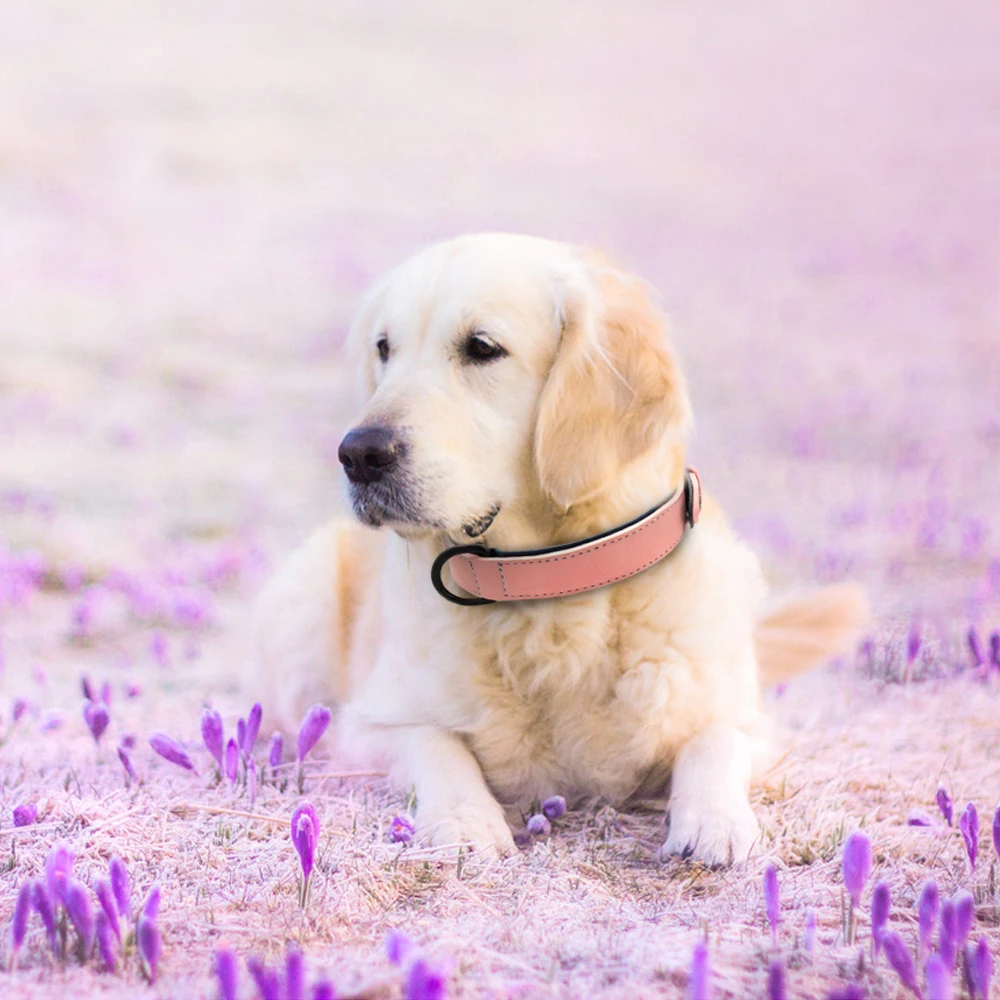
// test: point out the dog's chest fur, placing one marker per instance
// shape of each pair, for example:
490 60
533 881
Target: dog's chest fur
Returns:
583 696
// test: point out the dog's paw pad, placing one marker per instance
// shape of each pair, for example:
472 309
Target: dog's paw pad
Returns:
715 834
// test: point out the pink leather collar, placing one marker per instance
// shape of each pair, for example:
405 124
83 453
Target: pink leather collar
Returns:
576 567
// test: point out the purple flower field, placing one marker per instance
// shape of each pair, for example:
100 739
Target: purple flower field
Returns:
194 196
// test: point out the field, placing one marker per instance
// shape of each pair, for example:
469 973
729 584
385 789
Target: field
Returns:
192 199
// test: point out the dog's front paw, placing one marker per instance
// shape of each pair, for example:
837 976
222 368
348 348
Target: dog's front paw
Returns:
482 828
719 833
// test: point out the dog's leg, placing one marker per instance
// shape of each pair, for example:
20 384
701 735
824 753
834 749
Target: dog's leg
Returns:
454 806
709 812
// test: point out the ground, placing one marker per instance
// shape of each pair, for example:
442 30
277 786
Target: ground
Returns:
192 199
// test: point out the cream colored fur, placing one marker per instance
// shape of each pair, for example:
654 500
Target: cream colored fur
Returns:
647 685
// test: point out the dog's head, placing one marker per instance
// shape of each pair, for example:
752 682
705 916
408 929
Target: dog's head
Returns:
506 381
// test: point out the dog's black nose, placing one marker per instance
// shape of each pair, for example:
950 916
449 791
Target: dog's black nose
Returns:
367 453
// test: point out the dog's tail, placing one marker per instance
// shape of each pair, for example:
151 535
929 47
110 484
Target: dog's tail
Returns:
799 631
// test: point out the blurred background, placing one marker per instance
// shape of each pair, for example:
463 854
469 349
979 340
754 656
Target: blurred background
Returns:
194 195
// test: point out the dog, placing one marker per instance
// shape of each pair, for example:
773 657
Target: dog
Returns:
516 395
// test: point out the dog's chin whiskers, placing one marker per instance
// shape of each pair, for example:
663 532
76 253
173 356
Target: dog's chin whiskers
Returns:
481 524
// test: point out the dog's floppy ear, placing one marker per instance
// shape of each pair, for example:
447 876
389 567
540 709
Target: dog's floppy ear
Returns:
614 390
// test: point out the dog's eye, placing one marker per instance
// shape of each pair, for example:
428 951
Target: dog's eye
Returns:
480 349
382 346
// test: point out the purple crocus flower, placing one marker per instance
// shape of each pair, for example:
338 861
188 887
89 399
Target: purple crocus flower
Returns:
995 650
554 807
699 987
975 647
982 967
58 870
147 938
151 908
943 800
881 903
127 741
918 817
97 719
927 914
857 864
401 829
252 730
104 896
397 947
170 749
241 733
965 913
212 734
323 990
425 982
772 900
78 907
539 826
305 833
969 825
106 941
43 907
19 708
809 937
87 688
938 979
913 642
901 960
948 939
126 762
120 886
232 761
25 814
225 972
275 749
268 983
776 980
295 976
19 923
313 726
107 693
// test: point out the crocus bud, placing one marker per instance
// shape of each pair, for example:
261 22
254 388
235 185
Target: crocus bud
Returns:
313 726
241 733
170 749
268 983
120 886
948 938
913 642
151 908
699 985
857 864
275 749
969 825
927 914
253 729
539 826
225 972
323 990
295 976
78 907
97 719
772 901
397 947
975 647
943 800
43 907
108 905
901 960
212 734
965 912
305 833
776 980
147 938
232 761
106 941
87 688
424 982
126 762
401 829
25 814
554 807
982 967
938 977
881 903
19 923
58 870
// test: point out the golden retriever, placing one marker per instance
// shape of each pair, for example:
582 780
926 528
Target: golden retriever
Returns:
523 393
